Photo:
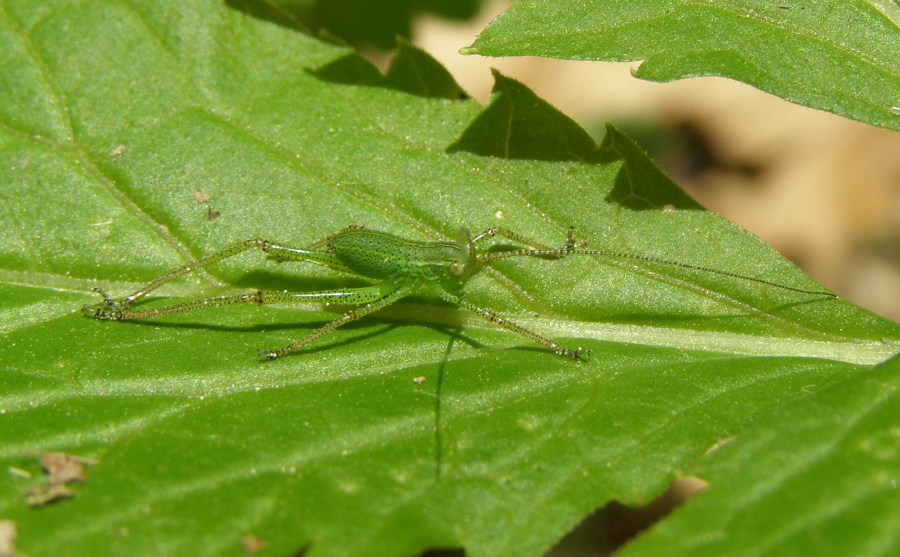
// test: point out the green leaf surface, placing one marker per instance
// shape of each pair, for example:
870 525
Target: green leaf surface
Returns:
836 55
829 464
420 427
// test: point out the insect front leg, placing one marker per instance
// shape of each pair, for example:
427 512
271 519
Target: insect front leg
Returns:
500 321
525 241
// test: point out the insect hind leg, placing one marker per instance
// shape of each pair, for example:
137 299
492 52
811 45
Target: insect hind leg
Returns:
347 296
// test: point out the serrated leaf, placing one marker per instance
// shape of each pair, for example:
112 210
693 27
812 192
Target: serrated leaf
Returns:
833 55
420 427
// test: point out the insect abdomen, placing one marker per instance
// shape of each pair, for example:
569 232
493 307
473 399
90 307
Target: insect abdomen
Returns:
381 255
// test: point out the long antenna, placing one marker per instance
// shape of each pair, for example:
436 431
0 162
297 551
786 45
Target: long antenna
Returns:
562 252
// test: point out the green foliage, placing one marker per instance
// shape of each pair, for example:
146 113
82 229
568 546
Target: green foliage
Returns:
421 427
836 55
815 477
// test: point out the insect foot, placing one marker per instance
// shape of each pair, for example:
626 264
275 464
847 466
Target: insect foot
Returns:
101 314
572 244
269 354
570 240
578 354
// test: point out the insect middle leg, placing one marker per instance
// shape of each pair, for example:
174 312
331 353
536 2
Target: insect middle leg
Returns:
352 315
500 321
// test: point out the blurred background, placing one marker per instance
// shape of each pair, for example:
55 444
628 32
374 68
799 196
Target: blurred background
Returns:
821 189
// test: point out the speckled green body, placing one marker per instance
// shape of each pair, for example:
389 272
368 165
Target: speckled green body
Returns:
380 255
400 266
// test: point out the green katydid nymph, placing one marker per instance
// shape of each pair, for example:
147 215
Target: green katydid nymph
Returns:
402 267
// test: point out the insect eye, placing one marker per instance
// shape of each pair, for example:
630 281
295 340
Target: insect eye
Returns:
456 269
